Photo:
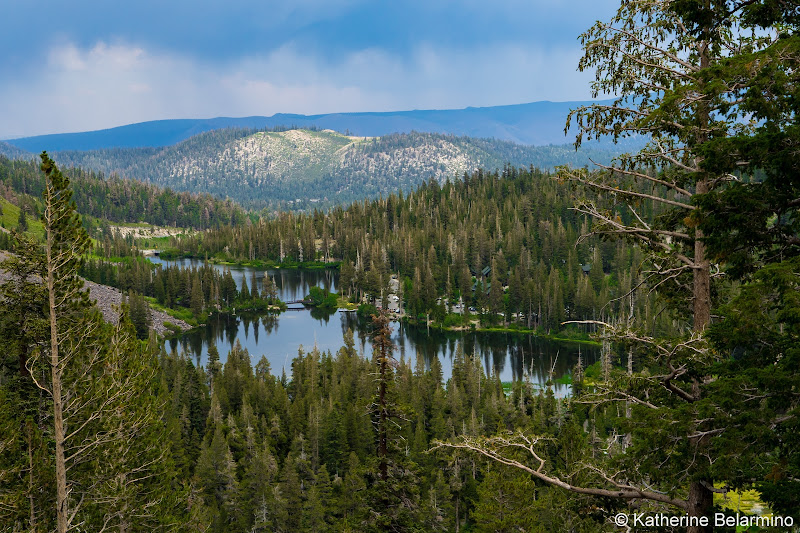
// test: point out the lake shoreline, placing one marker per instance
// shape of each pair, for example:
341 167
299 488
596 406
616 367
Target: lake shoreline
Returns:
256 264
521 331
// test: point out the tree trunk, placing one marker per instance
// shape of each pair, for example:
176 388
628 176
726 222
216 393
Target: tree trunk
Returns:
381 344
702 268
702 276
58 408
701 498
383 449
702 287
701 501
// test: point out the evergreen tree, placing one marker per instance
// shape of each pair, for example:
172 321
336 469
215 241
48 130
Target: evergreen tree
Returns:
244 294
196 301
140 314
261 500
352 495
214 366
254 284
216 478
292 491
22 221
134 474
269 292
394 495
68 303
228 289
505 502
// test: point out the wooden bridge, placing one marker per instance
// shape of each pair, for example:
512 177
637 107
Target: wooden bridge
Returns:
304 302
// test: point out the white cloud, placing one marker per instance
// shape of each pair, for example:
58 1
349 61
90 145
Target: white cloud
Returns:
113 84
70 58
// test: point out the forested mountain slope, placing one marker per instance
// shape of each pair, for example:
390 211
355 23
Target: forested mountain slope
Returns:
301 169
118 200
513 229
11 151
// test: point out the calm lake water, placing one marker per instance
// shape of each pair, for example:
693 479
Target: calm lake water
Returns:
278 337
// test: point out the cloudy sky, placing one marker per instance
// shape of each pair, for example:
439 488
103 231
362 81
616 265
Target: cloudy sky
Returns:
84 65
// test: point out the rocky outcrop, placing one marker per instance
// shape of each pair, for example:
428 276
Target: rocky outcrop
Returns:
108 301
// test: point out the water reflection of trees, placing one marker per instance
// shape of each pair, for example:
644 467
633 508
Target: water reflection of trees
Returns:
513 356
270 323
292 284
323 315
230 328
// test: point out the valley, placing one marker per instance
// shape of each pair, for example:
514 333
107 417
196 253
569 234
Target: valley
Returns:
301 329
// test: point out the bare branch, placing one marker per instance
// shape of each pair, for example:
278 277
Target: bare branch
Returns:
493 448
625 192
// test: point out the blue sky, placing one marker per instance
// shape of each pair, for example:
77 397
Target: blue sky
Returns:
81 65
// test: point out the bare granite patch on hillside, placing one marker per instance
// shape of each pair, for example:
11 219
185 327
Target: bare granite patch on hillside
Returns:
148 232
108 301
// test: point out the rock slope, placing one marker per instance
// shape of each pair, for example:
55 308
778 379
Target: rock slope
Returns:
108 300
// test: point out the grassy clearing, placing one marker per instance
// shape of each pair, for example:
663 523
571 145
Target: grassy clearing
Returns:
113 259
181 313
343 303
133 224
157 243
10 218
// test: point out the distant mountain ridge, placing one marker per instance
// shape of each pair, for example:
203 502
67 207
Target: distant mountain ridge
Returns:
537 123
302 169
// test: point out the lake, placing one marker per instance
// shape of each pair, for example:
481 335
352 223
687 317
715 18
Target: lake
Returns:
512 356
